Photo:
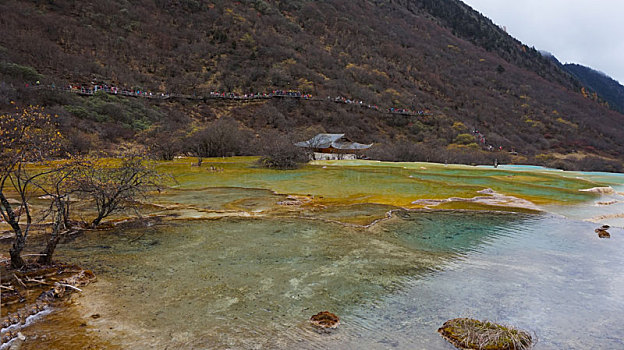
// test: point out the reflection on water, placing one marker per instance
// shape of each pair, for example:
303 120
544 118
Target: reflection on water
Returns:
252 283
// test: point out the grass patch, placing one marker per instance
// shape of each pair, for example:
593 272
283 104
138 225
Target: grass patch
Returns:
467 333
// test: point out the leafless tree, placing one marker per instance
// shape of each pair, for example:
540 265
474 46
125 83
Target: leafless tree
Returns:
113 188
25 137
279 152
166 145
59 186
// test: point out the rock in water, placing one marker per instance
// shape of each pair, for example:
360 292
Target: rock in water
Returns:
602 233
466 333
325 319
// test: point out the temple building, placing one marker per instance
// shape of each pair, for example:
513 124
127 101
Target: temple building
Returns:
333 146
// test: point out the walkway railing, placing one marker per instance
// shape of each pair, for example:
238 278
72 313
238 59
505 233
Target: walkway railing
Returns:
113 90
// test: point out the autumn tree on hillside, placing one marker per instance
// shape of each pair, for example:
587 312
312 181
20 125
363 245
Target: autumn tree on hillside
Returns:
29 135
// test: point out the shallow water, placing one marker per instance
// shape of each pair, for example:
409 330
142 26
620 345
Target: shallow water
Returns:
237 184
252 284
251 275
545 274
206 284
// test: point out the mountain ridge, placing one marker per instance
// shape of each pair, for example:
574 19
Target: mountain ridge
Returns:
606 87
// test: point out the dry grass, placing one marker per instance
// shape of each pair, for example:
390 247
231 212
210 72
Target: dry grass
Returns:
466 333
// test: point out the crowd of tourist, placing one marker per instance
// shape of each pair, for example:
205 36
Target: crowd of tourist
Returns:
480 137
115 90
405 111
349 101
250 96
291 93
232 95
361 103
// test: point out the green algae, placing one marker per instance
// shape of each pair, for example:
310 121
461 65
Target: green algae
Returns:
347 184
384 183
353 192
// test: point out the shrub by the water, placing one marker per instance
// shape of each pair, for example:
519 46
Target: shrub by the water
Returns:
325 319
592 163
281 153
284 158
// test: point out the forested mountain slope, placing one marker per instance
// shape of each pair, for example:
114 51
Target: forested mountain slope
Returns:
440 57
606 87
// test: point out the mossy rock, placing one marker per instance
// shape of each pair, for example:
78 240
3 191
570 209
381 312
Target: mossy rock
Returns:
467 333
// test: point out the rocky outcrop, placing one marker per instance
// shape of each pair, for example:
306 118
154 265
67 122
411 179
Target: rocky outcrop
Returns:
293 200
491 198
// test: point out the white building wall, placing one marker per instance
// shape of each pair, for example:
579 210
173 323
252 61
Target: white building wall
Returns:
333 156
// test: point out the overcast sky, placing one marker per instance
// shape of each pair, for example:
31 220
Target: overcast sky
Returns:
587 32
